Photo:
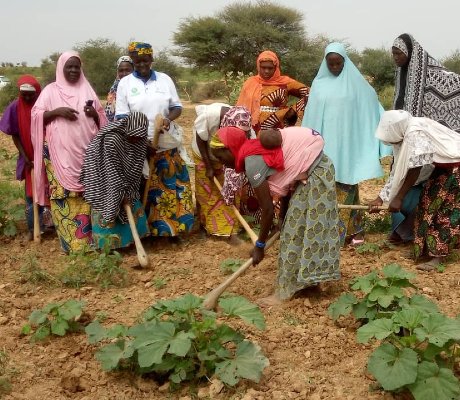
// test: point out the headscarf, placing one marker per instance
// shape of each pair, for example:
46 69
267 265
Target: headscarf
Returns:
67 140
237 116
251 91
425 88
396 124
112 95
140 48
345 110
112 168
24 117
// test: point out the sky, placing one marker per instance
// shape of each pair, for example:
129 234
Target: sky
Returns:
34 29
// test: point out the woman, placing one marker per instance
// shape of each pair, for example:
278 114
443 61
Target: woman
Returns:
419 142
303 177
169 203
216 217
15 121
345 109
66 116
111 175
423 86
266 95
124 67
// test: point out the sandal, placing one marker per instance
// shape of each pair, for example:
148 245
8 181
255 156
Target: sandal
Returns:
356 242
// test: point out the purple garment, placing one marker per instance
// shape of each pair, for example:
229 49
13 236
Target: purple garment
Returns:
9 124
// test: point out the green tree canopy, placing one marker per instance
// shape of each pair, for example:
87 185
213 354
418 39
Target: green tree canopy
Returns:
452 62
378 65
232 40
99 59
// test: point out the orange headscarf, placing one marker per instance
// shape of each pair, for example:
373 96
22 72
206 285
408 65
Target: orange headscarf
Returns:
251 91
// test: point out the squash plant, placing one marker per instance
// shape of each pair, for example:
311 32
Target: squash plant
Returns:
181 341
379 295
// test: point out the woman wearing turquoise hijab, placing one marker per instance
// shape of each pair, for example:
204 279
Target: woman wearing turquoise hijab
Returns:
344 108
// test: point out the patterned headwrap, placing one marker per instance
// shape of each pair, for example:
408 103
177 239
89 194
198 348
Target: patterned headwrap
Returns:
401 45
238 117
124 59
140 48
425 88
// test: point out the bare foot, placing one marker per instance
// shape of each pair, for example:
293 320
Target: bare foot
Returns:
234 240
430 265
270 301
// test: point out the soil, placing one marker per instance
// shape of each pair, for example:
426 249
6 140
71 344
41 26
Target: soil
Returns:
311 357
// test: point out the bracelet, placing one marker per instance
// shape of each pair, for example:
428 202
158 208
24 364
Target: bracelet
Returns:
260 245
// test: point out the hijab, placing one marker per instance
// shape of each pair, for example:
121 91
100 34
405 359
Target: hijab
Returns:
424 87
251 91
345 110
67 140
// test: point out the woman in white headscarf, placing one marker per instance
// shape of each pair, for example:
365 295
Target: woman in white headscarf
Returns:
420 143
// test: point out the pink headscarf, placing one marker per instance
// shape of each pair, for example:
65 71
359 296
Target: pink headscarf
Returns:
67 140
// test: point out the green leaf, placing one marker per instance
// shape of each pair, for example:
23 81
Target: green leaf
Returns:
181 343
71 309
366 282
41 333
38 317
249 363
26 329
379 328
225 333
394 271
423 304
435 383
365 309
116 331
239 306
393 368
59 326
408 318
50 308
110 355
96 332
185 304
438 329
151 344
342 306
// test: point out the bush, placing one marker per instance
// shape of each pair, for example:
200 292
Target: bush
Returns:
11 208
208 90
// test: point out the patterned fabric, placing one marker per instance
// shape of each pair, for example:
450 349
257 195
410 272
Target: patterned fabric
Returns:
427 88
350 221
112 168
71 214
399 44
215 216
44 215
118 234
309 242
238 117
169 203
140 48
403 222
437 228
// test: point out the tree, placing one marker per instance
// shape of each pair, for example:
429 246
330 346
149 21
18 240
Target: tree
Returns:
99 58
232 40
48 68
163 62
452 62
377 64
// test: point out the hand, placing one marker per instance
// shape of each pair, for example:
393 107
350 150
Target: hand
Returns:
395 205
90 111
257 255
166 124
29 163
151 151
67 113
374 204
210 173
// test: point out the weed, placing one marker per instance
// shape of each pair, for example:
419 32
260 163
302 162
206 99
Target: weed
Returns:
376 223
159 283
33 273
291 319
11 208
89 266
230 265
101 316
